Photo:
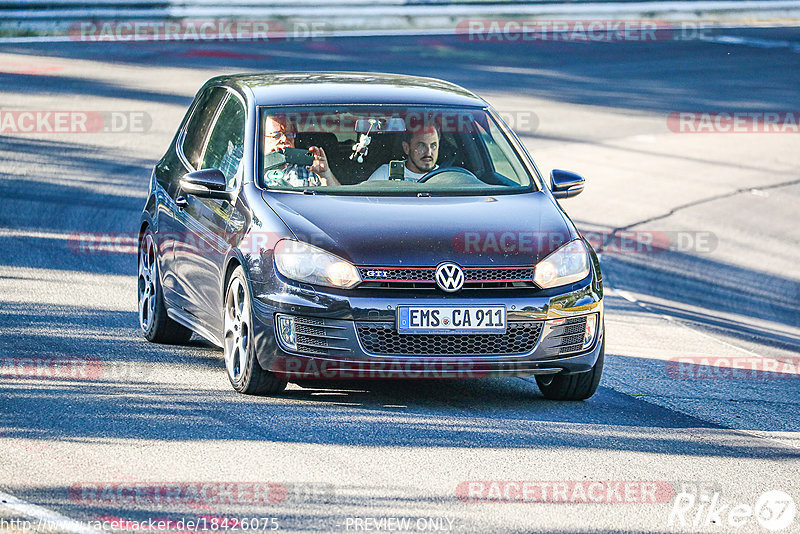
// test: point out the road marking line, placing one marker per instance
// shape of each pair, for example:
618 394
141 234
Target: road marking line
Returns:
44 516
624 294
751 41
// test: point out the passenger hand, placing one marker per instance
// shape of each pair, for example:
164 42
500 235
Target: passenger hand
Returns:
320 165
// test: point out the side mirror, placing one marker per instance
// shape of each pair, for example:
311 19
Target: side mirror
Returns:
206 183
565 184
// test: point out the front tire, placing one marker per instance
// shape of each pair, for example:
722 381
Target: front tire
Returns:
244 372
573 387
153 319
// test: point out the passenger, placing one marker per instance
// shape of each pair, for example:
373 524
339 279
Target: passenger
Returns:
422 152
279 133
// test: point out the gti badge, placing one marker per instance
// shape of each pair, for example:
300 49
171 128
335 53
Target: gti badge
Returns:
449 277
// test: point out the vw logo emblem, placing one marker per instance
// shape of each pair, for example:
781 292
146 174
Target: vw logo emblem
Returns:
449 277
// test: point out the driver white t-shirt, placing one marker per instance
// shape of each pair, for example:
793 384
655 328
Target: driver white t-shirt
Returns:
382 173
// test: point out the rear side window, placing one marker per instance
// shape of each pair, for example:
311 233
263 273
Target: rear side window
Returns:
226 144
199 123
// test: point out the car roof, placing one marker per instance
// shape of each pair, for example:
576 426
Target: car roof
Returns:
309 88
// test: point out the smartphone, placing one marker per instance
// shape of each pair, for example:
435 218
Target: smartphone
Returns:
297 156
397 170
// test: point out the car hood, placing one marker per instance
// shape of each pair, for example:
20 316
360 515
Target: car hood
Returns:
501 230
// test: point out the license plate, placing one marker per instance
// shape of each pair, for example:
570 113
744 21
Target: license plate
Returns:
451 319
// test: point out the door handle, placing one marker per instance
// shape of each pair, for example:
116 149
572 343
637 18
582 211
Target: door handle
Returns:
181 202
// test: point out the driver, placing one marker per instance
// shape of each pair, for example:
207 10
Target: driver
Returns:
422 151
280 133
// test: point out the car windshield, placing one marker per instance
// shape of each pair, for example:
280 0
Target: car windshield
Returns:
383 150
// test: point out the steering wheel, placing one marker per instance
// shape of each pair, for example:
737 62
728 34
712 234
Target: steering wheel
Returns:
440 170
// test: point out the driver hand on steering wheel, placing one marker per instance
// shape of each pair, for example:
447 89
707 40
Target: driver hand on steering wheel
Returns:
422 151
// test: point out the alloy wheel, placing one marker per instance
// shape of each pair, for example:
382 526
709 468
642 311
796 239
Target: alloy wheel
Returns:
147 282
237 328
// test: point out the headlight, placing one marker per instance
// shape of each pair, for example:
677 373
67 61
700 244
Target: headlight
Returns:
566 265
306 263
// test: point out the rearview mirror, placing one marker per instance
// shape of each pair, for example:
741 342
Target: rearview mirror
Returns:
206 183
565 184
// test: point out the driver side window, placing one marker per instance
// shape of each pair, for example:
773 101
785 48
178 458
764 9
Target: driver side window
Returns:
226 144
199 123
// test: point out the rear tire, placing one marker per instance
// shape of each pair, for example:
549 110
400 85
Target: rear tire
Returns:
244 372
574 387
153 319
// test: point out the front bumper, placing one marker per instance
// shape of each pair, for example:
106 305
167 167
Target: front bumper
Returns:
337 329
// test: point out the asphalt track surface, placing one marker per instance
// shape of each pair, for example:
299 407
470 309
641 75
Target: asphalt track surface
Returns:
727 288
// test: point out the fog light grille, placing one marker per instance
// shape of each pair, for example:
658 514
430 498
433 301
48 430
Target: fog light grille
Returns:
570 336
312 336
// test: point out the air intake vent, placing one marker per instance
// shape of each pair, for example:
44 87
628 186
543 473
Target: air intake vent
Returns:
383 339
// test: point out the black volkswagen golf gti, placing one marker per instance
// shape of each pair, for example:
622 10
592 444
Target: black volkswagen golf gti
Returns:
366 226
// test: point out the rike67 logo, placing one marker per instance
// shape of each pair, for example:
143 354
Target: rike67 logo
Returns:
774 510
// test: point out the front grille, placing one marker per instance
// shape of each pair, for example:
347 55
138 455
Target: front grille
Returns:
383 339
387 274
425 277
522 274
430 286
